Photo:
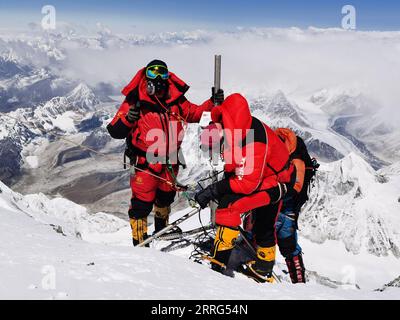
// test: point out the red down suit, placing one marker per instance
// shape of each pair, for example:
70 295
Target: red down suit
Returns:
167 116
257 163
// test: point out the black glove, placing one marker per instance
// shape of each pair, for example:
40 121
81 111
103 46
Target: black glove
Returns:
277 193
204 196
217 97
133 114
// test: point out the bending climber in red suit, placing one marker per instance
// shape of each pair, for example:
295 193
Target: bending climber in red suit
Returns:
257 176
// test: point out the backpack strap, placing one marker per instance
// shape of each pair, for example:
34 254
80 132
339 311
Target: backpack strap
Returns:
285 167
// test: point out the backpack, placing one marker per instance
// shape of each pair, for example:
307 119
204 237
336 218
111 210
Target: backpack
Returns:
311 166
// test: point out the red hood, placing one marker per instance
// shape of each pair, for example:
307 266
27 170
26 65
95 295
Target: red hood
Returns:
177 87
233 113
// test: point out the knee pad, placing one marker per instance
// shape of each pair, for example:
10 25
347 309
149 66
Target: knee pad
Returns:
164 198
139 209
287 246
139 230
225 239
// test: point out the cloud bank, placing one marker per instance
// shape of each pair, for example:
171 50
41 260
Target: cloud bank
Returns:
254 61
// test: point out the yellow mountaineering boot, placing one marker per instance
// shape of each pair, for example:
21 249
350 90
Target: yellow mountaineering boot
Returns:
223 245
139 230
261 269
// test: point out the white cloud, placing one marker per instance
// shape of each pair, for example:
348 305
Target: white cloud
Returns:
255 61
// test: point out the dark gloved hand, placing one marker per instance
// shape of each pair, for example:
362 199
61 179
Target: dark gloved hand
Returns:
277 193
217 97
204 196
133 114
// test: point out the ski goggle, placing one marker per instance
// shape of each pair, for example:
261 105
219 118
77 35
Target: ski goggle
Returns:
153 72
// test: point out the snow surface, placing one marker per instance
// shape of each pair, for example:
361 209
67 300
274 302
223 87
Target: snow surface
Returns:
65 122
32 161
42 258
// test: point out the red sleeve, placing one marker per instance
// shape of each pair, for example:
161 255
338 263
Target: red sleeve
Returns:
119 127
121 114
249 174
192 112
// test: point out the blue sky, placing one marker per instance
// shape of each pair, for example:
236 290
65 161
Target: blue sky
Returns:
173 15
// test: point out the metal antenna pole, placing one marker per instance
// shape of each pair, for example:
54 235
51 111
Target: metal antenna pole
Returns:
214 158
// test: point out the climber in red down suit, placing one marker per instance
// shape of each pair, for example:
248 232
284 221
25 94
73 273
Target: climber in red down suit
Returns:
152 119
257 175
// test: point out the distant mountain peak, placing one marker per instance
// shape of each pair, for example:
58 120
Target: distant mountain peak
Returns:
279 106
9 56
354 166
81 90
348 104
82 97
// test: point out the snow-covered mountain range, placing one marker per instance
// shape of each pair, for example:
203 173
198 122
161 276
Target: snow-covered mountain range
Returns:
353 203
67 114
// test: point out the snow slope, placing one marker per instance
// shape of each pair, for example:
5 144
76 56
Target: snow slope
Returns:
39 262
